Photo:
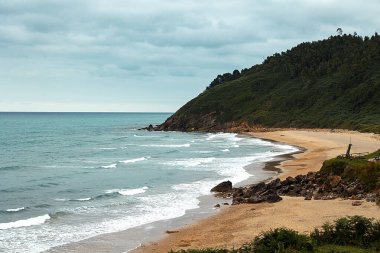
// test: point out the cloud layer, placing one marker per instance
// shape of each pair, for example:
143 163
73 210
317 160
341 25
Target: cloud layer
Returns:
150 55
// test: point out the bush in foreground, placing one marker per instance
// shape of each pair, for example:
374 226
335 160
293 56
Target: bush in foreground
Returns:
282 240
355 234
355 231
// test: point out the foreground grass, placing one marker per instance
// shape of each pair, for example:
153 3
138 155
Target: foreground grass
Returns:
354 234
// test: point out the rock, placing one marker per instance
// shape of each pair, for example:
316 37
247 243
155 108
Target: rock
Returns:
226 204
171 231
274 184
225 186
311 186
334 181
238 200
308 197
256 188
217 206
272 198
357 203
289 181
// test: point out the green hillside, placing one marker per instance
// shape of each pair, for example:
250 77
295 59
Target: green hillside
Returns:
332 83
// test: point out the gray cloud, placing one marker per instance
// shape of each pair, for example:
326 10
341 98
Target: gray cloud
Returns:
171 48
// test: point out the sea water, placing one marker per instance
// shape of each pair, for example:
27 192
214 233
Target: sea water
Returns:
65 177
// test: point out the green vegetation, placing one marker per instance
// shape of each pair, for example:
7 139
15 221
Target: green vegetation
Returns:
354 234
332 83
360 169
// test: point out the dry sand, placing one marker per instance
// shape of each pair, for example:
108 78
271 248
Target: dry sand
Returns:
239 224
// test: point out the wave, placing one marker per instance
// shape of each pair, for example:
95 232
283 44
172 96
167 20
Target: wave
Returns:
25 223
191 162
56 215
16 209
128 192
135 160
82 199
203 151
107 148
225 150
187 145
42 206
76 200
111 166
8 168
61 199
145 136
224 137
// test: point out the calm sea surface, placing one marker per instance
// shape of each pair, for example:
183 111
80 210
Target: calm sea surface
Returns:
65 177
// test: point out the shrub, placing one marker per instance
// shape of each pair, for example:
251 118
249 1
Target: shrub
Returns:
282 240
354 230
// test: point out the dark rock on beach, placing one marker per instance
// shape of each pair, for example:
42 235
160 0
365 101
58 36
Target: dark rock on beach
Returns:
225 186
314 185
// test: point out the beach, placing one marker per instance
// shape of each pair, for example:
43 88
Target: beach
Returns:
239 224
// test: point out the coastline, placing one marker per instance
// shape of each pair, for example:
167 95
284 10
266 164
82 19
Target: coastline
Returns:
236 225
123 241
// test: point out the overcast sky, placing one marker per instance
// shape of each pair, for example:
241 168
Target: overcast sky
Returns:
150 55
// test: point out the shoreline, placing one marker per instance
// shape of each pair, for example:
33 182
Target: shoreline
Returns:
116 242
239 224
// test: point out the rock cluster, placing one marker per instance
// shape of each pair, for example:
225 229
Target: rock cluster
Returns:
314 185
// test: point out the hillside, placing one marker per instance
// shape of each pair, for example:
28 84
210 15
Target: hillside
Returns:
331 83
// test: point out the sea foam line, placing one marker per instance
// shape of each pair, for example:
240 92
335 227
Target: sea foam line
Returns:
128 192
135 160
15 209
111 166
25 223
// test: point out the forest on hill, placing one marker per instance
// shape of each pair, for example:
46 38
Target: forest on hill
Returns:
330 83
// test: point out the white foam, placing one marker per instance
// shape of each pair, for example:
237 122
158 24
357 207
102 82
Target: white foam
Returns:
25 223
196 188
224 136
191 162
145 136
135 160
187 145
61 200
83 199
128 192
15 209
225 150
131 192
111 166
107 148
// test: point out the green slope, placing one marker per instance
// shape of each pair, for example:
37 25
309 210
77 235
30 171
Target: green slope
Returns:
332 83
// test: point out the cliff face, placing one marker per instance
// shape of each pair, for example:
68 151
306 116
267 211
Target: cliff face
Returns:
333 83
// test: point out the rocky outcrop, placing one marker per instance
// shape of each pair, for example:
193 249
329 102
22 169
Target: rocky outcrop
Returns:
225 186
314 185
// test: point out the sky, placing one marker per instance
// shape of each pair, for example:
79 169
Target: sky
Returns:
150 55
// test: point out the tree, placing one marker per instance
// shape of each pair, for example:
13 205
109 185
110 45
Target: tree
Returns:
339 31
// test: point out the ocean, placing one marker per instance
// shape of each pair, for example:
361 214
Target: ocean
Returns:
66 177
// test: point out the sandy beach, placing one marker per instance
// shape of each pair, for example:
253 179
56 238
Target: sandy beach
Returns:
235 225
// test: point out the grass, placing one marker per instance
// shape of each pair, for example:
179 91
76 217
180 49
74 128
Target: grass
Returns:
367 173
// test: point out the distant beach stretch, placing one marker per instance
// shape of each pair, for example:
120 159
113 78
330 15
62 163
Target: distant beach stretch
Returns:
239 224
